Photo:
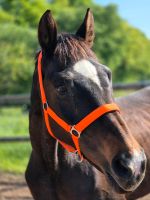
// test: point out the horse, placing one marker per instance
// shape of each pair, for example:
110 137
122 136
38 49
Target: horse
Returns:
136 111
77 132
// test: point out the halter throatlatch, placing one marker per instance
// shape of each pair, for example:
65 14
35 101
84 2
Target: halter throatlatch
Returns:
74 130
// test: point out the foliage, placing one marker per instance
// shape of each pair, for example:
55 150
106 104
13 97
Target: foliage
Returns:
5 16
17 58
123 48
25 12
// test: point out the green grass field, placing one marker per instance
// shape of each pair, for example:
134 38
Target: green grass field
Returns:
14 156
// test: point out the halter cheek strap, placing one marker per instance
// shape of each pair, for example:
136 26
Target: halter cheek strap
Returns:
74 130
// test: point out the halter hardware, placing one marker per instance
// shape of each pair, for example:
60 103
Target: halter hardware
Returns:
45 106
74 130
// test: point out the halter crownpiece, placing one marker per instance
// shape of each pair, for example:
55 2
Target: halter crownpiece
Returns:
74 130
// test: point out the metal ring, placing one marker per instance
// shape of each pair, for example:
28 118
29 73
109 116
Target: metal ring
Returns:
45 106
79 159
75 132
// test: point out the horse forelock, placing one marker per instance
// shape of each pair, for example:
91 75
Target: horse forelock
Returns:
70 49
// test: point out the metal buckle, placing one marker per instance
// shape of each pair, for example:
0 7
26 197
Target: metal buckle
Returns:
79 159
45 106
75 132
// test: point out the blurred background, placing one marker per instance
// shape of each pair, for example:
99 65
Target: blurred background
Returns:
122 43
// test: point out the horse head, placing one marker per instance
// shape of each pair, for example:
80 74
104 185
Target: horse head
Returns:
75 84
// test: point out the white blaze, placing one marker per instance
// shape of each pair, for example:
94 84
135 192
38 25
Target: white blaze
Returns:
87 69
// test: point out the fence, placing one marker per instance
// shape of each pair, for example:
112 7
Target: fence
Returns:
24 99
14 139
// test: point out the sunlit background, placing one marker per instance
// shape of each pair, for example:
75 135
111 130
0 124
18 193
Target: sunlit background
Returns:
122 42
136 12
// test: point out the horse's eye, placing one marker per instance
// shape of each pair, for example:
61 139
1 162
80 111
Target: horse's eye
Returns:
109 75
62 90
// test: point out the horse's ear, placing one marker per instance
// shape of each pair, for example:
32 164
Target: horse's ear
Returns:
86 30
47 32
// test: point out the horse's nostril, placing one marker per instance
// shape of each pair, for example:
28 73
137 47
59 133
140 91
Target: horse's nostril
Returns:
122 165
143 166
138 177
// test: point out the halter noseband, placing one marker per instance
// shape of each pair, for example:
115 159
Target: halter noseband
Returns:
74 130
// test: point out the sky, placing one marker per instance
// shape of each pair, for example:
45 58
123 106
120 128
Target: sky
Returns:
136 12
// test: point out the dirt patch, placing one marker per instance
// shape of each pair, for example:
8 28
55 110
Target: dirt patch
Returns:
14 187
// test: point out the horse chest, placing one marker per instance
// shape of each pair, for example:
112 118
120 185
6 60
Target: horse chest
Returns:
74 184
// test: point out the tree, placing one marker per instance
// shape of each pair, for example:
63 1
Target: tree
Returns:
117 44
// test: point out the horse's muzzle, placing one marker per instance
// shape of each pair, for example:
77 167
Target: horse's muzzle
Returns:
128 169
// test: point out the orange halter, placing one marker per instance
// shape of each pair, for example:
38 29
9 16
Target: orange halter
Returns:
74 130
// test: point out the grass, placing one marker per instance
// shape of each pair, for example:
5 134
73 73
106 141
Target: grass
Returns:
13 121
14 156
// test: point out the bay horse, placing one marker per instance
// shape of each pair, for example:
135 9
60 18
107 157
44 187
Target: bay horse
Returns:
71 86
136 111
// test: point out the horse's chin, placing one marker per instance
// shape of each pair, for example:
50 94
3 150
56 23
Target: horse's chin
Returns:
115 185
118 188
